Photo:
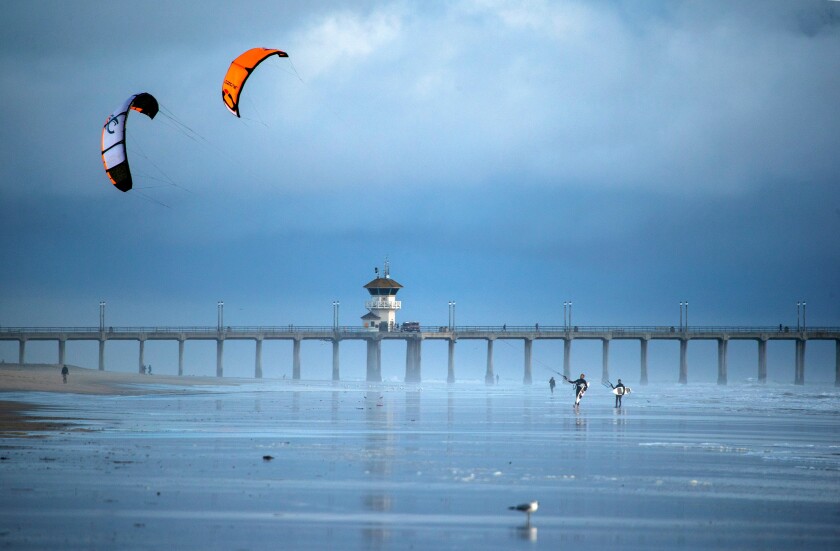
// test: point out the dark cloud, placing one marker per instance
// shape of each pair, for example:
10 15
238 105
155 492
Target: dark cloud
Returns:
626 155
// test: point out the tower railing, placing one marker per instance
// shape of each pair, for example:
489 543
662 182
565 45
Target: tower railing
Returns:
383 304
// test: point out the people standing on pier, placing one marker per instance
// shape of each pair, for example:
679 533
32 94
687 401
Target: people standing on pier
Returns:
619 394
580 387
64 373
551 383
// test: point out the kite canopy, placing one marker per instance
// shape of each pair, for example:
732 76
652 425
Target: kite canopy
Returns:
113 138
239 71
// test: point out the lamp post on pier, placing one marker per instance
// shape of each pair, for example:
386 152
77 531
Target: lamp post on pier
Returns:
451 315
570 314
681 310
101 315
800 326
567 315
335 314
220 315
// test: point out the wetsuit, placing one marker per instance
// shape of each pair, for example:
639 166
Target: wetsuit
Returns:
551 384
618 396
580 387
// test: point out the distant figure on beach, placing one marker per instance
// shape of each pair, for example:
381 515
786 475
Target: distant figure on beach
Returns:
551 383
618 396
64 373
580 388
150 369
143 369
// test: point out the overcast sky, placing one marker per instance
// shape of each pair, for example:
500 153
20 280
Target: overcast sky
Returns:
508 156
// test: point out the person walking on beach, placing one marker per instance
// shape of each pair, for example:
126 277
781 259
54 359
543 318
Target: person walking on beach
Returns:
551 384
580 387
64 372
619 394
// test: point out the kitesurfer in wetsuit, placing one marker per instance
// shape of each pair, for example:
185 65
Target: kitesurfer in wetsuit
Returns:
551 384
621 393
580 387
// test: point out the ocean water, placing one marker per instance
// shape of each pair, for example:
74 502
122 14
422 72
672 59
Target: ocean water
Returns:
317 465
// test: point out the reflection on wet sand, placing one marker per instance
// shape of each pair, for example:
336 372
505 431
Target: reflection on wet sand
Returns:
412 406
526 410
334 405
375 536
379 451
525 532
296 402
412 419
580 420
618 418
450 409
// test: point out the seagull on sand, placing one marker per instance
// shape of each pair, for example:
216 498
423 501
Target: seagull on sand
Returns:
526 508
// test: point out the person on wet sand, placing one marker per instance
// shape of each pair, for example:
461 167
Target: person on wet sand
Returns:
580 387
64 373
551 384
620 394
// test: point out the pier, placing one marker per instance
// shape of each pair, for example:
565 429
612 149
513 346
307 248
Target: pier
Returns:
415 338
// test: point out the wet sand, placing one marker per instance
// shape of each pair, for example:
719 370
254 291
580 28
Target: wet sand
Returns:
19 418
320 465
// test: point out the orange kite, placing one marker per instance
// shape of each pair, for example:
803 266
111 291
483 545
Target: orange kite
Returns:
239 71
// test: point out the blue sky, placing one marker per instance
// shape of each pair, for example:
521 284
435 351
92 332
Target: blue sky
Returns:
625 156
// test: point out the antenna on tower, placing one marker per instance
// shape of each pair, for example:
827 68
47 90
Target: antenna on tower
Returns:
387 268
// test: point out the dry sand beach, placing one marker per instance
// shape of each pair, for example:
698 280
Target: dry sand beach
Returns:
130 461
47 378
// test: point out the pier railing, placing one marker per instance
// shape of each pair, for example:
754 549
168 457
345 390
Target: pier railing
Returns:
576 330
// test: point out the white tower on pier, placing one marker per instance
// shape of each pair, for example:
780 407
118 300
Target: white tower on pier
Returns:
383 304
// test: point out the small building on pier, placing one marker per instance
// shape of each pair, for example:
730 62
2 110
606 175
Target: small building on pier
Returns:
383 304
